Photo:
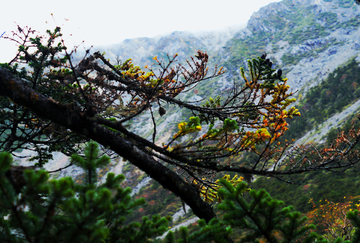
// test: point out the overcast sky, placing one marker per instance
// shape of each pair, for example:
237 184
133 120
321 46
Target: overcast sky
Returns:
108 22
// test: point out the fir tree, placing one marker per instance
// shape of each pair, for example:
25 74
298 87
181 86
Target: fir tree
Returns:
57 105
51 210
63 211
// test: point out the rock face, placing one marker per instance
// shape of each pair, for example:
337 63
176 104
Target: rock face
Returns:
308 39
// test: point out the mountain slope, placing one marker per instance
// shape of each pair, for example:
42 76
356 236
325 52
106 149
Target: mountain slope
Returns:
308 39
184 43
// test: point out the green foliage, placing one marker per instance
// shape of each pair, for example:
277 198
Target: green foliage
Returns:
340 89
298 24
319 185
46 55
189 127
263 217
355 220
90 163
61 211
260 218
214 231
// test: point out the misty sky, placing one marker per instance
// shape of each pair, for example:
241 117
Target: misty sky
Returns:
109 22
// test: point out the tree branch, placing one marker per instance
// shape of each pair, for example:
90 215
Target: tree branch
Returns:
70 117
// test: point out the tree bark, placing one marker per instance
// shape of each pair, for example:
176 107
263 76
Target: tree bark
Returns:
71 118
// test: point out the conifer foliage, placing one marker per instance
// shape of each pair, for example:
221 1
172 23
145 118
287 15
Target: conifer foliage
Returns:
62 211
57 104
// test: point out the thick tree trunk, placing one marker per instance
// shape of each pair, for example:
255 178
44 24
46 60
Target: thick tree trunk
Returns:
69 117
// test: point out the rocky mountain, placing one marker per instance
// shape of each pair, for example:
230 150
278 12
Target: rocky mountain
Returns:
184 43
307 39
